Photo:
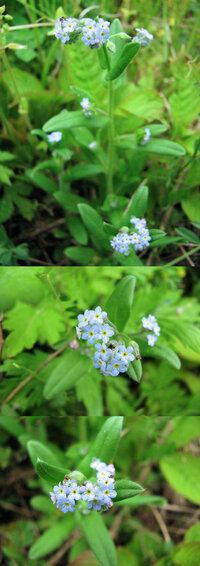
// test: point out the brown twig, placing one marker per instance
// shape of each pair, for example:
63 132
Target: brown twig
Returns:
23 383
189 260
56 558
161 523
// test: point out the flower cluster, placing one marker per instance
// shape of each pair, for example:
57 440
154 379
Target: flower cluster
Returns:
86 106
111 358
143 37
150 323
97 494
140 238
54 137
93 33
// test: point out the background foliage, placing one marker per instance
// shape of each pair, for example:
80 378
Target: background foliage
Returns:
42 374
44 188
158 528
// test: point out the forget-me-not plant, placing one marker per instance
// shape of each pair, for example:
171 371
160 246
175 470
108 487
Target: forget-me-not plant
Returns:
97 494
126 238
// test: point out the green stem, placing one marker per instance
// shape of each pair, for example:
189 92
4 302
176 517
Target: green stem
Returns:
111 129
18 96
182 257
111 139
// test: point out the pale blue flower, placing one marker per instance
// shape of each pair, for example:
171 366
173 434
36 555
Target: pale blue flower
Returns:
151 339
91 334
97 316
106 332
108 494
99 363
125 354
89 491
54 137
148 322
143 37
84 319
66 505
103 351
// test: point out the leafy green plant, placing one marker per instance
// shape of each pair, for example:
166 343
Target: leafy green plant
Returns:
45 368
80 192
159 526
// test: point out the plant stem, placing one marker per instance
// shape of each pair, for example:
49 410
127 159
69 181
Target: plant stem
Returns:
184 256
111 140
111 129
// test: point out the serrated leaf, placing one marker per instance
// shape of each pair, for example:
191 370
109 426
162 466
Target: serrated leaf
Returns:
120 302
43 324
105 444
98 538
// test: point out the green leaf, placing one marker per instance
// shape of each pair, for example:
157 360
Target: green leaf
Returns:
138 205
193 534
38 450
188 554
26 82
77 229
188 235
135 370
161 352
69 369
19 284
44 324
120 302
52 538
185 430
105 445
144 103
82 255
164 241
191 206
66 120
5 174
6 156
128 52
98 538
126 489
182 471
139 500
50 473
41 181
83 171
93 222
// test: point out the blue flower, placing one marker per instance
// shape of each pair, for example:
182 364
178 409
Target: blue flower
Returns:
103 475
148 322
151 339
91 333
106 332
125 354
143 37
97 464
89 491
99 363
66 505
108 494
103 351
74 493
96 503
116 366
59 489
146 137
54 137
98 316
86 106
84 319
